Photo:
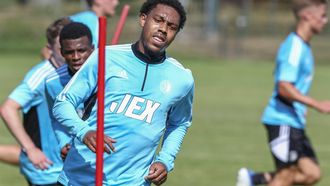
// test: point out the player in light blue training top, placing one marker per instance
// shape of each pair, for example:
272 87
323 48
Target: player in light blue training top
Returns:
294 64
148 95
76 46
284 117
97 8
39 159
90 17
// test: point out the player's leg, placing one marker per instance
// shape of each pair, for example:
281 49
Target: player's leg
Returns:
10 154
246 177
284 177
309 171
283 152
300 159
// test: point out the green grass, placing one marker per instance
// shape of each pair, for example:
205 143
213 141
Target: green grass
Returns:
226 133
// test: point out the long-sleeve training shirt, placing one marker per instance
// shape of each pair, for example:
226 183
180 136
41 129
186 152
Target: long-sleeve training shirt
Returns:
143 102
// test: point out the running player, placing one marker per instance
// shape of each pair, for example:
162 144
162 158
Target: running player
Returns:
97 8
284 116
148 96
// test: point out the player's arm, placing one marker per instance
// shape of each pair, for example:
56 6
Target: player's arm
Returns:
73 94
179 121
288 68
61 134
76 92
10 115
290 93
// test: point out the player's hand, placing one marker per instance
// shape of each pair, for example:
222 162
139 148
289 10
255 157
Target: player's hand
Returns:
157 173
323 106
90 141
38 158
65 150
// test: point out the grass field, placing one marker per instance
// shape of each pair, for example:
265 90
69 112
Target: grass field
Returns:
226 133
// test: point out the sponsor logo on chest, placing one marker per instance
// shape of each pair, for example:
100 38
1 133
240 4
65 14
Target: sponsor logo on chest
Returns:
135 107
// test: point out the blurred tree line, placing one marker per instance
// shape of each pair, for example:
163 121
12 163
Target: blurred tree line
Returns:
216 27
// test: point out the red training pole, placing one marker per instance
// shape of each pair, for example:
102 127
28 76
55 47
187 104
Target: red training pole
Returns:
120 24
100 102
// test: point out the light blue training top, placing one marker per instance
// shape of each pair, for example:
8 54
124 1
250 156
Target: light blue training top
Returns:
55 83
137 119
294 64
31 97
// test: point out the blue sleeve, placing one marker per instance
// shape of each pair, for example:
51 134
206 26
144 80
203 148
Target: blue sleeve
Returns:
77 91
61 134
30 92
179 121
26 98
288 61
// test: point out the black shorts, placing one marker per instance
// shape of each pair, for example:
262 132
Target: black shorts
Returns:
288 145
31 184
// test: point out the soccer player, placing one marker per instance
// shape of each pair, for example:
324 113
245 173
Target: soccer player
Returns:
148 95
284 116
97 8
76 46
40 161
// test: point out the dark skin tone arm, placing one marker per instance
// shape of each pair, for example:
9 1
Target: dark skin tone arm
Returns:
65 150
157 173
290 93
90 141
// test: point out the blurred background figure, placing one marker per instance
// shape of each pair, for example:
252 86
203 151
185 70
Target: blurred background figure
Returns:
285 115
96 8
39 160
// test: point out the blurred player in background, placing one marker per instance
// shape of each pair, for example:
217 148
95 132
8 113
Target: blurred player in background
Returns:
76 46
39 159
97 8
284 116
148 96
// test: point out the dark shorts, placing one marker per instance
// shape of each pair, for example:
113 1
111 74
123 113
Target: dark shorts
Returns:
31 184
288 145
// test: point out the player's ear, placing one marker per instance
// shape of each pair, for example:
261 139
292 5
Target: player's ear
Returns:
143 18
306 14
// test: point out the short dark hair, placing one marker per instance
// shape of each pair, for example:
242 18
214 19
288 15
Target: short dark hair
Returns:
151 4
55 28
75 30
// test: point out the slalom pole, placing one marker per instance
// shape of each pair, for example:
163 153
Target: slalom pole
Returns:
120 24
100 102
